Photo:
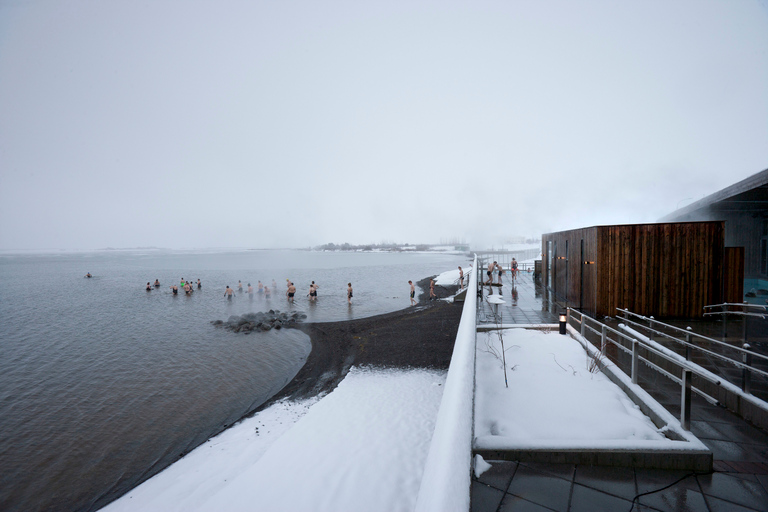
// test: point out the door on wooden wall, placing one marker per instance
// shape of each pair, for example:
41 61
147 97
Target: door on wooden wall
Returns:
567 292
549 264
581 275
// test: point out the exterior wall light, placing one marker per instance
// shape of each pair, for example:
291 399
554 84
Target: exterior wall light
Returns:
563 320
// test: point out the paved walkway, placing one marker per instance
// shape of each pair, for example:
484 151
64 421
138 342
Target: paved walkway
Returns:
523 303
739 481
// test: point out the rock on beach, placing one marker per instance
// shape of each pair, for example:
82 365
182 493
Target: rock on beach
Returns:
261 321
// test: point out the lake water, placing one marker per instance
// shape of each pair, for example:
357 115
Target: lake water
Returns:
103 384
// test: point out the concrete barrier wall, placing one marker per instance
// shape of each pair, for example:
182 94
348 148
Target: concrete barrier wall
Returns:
446 480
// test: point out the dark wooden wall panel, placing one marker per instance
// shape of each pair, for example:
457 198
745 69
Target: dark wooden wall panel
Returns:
733 275
664 270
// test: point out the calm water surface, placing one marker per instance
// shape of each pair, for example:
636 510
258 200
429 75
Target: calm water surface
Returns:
103 384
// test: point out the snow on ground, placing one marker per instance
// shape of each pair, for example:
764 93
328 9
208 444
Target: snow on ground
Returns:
451 277
362 447
552 396
208 468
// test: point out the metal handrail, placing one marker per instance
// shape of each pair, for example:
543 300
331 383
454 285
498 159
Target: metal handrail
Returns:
684 331
738 304
725 358
685 367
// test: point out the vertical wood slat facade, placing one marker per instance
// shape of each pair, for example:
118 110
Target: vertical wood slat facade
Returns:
664 270
733 275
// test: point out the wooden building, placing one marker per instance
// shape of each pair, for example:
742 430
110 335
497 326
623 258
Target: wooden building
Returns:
667 270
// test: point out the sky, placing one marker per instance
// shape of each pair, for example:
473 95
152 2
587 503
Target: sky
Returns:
184 124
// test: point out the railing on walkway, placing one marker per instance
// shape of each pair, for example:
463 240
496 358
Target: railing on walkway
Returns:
690 341
505 257
743 310
446 480
587 324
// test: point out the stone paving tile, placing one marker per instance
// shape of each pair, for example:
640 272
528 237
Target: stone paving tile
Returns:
718 505
677 498
540 488
653 479
753 468
728 451
706 430
484 498
513 503
584 499
564 471
763 479
737 490
619 482
499 475
741 433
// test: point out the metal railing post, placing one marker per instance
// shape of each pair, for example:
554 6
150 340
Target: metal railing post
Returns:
635 358
650 329
746 376
583 327
688 347
685 401
744 336
725 323
603 336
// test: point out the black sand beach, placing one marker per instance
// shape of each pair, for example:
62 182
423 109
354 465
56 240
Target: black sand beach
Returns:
421 336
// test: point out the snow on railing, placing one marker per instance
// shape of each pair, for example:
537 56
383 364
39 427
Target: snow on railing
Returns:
446 479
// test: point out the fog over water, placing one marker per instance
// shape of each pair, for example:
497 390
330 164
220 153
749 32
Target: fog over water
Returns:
289 124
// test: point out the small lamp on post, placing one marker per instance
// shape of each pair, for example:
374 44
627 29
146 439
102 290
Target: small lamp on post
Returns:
563 320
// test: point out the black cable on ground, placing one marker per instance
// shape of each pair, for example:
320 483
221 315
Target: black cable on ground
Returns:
667 487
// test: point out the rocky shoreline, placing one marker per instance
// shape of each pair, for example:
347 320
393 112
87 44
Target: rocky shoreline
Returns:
261 321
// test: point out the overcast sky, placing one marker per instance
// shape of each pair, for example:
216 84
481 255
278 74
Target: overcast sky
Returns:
260 124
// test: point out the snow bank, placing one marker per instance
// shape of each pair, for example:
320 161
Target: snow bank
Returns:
362 447
208 469
451 277
552 397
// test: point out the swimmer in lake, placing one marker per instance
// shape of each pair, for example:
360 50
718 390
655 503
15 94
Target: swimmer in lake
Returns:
157 283
175 289
250 291
188 289
349 293
260 288
88 275
199 284
182 283
291 292
266 292
149 287
432 295
229 292
461 279
312 292
274 286
413 293
239 286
